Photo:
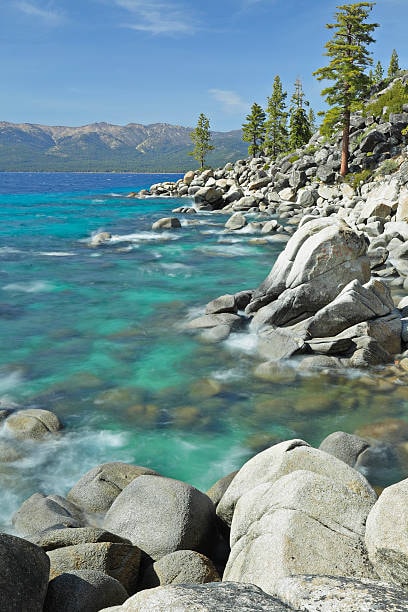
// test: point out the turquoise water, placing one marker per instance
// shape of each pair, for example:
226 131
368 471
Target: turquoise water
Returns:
93 334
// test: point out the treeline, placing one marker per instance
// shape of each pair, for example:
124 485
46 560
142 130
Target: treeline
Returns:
277 128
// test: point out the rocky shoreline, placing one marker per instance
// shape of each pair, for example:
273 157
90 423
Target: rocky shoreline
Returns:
296 528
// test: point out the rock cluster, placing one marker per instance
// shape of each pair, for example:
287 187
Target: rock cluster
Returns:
296 528
319 300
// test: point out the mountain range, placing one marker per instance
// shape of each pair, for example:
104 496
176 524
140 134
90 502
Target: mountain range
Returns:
158 147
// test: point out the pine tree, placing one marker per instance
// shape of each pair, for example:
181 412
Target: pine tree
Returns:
299 127
276 139
393 68
201 137
254 130
378 74
349 58
311 117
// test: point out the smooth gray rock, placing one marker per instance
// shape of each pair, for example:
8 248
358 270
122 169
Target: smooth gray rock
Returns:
213 320
346 447
121 561
236 222
218 489
283 458
354 304
58 538
302 523
276 343
212 597
330 594
321 258
180 567
83 591
33 424
40 513
166 223
223 303
162 515
386 534
24 570
98 488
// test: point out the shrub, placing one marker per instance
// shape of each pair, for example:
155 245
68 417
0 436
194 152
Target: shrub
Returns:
389 166
392 101
356 179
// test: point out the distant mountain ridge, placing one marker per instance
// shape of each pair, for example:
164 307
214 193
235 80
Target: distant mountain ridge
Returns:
158 147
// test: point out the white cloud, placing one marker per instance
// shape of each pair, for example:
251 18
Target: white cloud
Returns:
158 17
47 13
230 100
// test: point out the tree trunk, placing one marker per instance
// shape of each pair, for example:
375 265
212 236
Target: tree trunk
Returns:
345 143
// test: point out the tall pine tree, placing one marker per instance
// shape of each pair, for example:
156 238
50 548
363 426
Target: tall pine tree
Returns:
276 139
349 58
299 127
253 131
201 137
393 68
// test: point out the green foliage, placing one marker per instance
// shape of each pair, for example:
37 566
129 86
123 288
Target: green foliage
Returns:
393 68
356 179
201 137
404 132
254 130
276 139
378 74
389 166
392 100
299 128
349 59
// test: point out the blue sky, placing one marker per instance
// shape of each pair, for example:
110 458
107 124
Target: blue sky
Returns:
73 62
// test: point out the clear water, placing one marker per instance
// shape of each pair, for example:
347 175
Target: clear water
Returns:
93 334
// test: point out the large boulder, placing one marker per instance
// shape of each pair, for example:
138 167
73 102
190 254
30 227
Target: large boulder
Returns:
71 536
83 591
203 598
161 515
303 523
386 534
284 458
180 567
346 447
331 594
24 570
98 488
40 513
121 561
381 201
354 304
33 423
319 260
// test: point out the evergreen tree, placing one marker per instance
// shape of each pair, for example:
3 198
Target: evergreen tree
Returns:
349 58
276 139
393 68
378 74
254 130
299 127
311 117
201 137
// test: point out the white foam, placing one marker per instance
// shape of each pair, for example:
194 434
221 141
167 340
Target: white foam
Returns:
242 343
8 382
143 237
56 254
6 250
30 287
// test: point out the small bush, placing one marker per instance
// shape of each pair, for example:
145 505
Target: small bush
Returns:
389 166
356 179
392 100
